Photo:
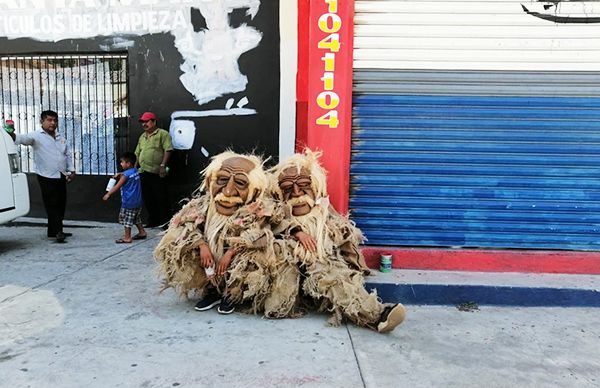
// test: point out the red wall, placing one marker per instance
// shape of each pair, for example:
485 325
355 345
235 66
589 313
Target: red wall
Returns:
324 91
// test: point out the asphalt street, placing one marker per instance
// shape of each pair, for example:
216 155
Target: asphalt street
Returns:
88 314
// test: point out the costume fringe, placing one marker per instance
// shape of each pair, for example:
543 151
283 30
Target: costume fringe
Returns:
333 276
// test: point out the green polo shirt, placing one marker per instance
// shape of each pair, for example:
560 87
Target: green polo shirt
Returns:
151 148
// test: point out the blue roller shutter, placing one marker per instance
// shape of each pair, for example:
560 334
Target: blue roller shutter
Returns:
477 158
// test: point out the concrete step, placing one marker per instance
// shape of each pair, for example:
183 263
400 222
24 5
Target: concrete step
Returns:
427 287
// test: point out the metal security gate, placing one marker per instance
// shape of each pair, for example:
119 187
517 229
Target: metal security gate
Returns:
477 123
473 159
89 93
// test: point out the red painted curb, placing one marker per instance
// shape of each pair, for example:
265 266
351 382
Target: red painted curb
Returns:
565 262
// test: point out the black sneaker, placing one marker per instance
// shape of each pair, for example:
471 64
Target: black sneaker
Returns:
66 234
208 302
60 237
225 307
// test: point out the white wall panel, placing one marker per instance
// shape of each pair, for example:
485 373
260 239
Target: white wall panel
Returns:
475 35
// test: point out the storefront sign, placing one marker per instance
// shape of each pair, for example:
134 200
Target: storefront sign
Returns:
330 90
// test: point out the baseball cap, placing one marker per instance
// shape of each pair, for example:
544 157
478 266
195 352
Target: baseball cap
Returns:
147 116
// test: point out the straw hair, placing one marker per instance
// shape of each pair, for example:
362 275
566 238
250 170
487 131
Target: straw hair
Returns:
258 178
309 160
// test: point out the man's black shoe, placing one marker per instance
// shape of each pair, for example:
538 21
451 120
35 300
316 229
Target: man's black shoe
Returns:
66 234
208 302
60 237
225 307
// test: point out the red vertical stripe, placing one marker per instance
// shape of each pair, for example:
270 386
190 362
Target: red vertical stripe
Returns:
329 93
302 76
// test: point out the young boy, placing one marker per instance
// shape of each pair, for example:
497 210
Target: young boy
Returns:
131 198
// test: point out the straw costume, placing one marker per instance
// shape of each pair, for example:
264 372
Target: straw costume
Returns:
229 225
317 255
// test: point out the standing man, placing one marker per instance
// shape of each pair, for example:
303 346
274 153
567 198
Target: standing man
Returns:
54 169
153 152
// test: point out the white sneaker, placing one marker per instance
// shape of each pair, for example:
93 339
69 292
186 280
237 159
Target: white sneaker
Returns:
391 317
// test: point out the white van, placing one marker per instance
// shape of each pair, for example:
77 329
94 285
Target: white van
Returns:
14 192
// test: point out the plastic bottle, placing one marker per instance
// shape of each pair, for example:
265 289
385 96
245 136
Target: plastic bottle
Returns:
111 183
9 126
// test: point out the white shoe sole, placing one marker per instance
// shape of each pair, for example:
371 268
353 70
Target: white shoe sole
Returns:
210 306
225 312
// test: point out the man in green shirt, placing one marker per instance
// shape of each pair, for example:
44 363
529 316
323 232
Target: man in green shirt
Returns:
153 152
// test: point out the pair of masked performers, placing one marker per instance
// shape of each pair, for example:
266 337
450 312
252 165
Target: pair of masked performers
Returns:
270 243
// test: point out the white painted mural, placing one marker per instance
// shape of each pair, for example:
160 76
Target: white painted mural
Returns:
210 67
210 56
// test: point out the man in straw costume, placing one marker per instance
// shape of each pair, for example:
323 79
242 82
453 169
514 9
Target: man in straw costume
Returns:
318 256
218 245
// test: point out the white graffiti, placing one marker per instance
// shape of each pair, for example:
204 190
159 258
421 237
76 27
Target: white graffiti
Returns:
210 56
183 131
210 67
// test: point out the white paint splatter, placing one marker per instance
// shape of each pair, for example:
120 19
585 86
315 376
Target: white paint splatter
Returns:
242 102
210 67
183 132
117 43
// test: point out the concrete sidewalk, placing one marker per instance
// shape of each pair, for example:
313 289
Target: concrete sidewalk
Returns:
87 314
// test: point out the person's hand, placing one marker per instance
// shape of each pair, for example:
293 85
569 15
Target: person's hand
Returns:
71 176
105 197
307 241
163 171
206 257
224 262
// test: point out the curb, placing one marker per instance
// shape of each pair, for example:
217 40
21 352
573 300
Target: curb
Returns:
500 289
449 294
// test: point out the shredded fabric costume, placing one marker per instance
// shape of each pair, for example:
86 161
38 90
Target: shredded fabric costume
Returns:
250 273
333 276
248 231
284 254
317 260
177 253
230 217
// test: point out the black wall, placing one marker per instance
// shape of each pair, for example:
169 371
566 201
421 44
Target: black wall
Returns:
154 85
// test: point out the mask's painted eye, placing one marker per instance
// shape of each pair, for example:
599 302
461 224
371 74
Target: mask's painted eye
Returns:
286 187
241 183
222 180
304 183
